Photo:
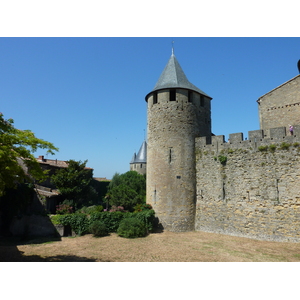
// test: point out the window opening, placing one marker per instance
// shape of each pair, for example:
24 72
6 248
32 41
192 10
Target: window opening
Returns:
190 96
173 95
201 100
154 98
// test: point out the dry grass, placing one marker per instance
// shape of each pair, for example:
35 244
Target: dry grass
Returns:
157 247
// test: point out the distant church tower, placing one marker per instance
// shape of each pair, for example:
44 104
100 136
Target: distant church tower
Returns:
139 161
178 112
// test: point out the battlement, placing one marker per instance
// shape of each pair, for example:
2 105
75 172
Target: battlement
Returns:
257 138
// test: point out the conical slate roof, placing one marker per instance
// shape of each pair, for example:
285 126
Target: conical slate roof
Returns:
141 157
173 77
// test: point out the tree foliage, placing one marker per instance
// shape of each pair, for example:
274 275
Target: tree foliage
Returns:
17 163
74 183
127 190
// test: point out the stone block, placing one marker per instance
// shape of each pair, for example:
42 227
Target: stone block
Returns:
255 135
236 137
218 139
277 133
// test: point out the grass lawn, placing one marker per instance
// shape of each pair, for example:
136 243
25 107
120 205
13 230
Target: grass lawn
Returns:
156 247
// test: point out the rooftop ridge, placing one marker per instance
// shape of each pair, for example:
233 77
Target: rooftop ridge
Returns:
277 87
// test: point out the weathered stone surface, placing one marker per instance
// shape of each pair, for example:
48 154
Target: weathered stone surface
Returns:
255 194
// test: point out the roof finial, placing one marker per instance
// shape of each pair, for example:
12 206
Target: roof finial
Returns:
172 47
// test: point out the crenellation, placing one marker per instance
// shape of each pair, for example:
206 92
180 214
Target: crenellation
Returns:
256 139
277 133
236 137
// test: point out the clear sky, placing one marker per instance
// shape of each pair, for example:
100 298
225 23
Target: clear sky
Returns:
87 95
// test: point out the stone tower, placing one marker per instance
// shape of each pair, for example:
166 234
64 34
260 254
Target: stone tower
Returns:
139 161
178 112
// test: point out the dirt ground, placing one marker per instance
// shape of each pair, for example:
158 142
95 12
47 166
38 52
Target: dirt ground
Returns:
157 247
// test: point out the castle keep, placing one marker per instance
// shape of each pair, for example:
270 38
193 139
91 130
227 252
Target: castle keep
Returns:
197 181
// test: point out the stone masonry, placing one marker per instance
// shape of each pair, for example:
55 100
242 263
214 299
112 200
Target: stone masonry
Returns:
281 106
250 188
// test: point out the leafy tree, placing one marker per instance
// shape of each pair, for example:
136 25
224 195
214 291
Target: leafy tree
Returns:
127 190
74 184
17 163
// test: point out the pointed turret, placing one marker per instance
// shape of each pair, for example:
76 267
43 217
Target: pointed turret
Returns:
139 161
173 77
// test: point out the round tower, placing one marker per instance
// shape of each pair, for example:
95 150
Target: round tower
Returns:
178 112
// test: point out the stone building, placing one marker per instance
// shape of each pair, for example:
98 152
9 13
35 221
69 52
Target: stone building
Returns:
197 181
280 106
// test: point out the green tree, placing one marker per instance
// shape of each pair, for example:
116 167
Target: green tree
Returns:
17 163
127 190
74 184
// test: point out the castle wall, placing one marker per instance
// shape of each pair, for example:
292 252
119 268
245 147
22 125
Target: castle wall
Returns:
281 106
250 188
171 177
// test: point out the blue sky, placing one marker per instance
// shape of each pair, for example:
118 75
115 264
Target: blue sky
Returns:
87 95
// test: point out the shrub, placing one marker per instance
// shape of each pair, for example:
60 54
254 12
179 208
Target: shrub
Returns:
222 159
285 146
132 228
272 148
147 217
55 219
98 228
142 207
110 219
117 208
91 209
263 148
78 222
63 209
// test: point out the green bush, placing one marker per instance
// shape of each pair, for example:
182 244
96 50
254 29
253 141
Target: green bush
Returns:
132 228
63 209
285 146
147 217
55 219
222 159
98 228
91 209
263 148
142 207
110 219
79 222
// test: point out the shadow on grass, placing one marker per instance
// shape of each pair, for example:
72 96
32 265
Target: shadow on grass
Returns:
9 251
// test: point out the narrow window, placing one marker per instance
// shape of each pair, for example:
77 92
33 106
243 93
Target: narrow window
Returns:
141 165
154 98
170 155
173 95
190 96
201 100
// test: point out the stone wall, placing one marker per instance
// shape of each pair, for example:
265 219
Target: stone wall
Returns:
281 106
141 168
33 225
250 188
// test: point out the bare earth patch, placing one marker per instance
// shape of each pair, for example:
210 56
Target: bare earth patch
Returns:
157 247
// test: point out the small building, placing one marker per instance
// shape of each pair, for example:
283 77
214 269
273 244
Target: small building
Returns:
46 191
139 161
280 107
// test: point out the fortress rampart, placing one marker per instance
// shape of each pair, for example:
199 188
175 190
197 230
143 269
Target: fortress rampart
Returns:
249 188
